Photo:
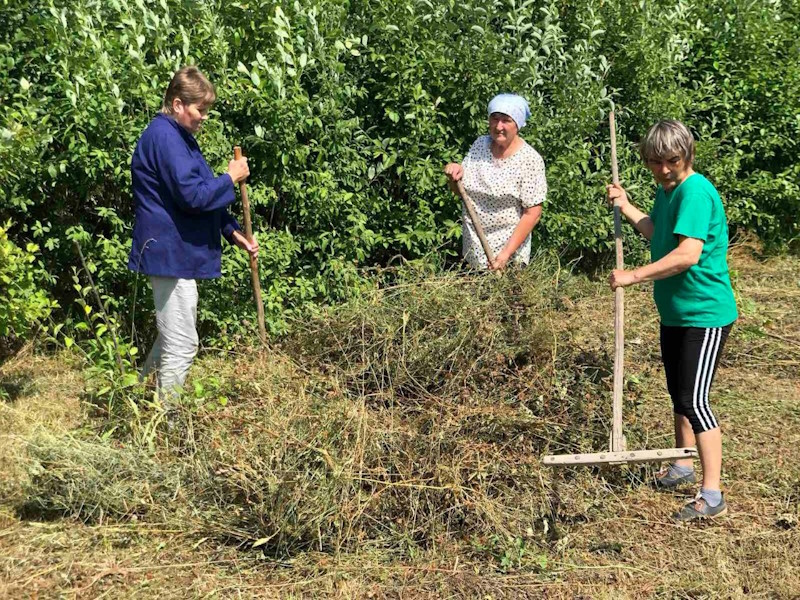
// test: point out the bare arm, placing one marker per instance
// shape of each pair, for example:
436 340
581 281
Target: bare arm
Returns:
530 217
240 240
682 258
640 221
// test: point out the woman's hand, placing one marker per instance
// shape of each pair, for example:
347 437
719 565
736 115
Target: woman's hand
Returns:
500 262
614 192
454 171
250 247
238 169
621 278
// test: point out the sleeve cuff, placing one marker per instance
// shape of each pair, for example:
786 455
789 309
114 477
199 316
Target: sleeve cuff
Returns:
690 234
229 228
532 203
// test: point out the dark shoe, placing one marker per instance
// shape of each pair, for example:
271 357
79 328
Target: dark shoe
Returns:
667 479
698 509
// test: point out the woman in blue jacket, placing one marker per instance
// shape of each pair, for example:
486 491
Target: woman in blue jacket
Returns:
180 215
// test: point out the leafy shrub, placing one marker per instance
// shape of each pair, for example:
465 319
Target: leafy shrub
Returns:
349 109
23 299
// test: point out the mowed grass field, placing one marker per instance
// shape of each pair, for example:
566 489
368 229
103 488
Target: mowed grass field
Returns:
610 535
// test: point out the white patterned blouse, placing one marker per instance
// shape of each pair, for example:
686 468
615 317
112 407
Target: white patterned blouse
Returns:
500 188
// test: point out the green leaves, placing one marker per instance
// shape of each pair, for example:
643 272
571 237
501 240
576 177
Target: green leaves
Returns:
24 299
349 111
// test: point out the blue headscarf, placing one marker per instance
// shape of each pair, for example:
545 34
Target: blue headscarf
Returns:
512 105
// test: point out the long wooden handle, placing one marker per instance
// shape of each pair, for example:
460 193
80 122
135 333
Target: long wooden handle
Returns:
617 437
476 222
248 232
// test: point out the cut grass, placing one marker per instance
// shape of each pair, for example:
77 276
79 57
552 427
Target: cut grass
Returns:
357 457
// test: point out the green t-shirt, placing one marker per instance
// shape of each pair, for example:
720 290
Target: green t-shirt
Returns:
702 295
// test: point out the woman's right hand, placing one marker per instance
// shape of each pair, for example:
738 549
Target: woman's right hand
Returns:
454 171
238 169
615 192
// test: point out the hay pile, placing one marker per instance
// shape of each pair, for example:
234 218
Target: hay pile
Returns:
414 416
95 481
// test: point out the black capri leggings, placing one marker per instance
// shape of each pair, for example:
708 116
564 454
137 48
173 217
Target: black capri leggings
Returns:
691 356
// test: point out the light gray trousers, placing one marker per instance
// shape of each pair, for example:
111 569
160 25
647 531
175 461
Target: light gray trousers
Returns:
177 341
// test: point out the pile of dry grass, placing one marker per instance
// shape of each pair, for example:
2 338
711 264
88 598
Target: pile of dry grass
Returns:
93 480
411 448
414 416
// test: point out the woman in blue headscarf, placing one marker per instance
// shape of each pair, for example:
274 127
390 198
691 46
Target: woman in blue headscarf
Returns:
504 176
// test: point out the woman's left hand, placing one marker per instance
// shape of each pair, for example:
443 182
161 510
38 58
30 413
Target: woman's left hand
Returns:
251 247
500 262
621 278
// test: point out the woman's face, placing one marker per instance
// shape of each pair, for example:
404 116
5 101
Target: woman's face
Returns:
502 128
190 116
670 170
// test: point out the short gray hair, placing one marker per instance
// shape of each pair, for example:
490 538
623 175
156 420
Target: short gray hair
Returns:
665 138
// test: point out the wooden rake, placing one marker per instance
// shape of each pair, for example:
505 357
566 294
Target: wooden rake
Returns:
248 231
617 452
476 221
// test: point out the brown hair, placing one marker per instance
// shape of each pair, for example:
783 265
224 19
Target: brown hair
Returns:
191 87
667 137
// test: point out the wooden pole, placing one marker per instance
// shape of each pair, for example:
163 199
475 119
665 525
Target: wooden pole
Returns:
617 439
248 231
476 222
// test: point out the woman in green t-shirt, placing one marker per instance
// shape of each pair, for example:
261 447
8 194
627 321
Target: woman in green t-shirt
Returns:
688 232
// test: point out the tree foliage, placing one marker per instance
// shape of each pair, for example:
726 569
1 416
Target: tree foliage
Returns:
348 109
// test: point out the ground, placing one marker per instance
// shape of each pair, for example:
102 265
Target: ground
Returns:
626 547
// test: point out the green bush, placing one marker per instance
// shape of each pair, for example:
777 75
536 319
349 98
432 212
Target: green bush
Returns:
23 301
348 110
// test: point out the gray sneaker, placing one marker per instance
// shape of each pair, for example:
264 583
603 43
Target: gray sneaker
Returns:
698 509
668 479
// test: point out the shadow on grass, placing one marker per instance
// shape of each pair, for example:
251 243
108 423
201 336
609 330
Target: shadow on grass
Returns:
18 385
30 511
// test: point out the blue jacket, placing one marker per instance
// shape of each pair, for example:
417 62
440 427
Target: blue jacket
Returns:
180 207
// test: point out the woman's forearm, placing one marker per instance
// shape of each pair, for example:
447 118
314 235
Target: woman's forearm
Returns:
640 221
685 256
530 217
